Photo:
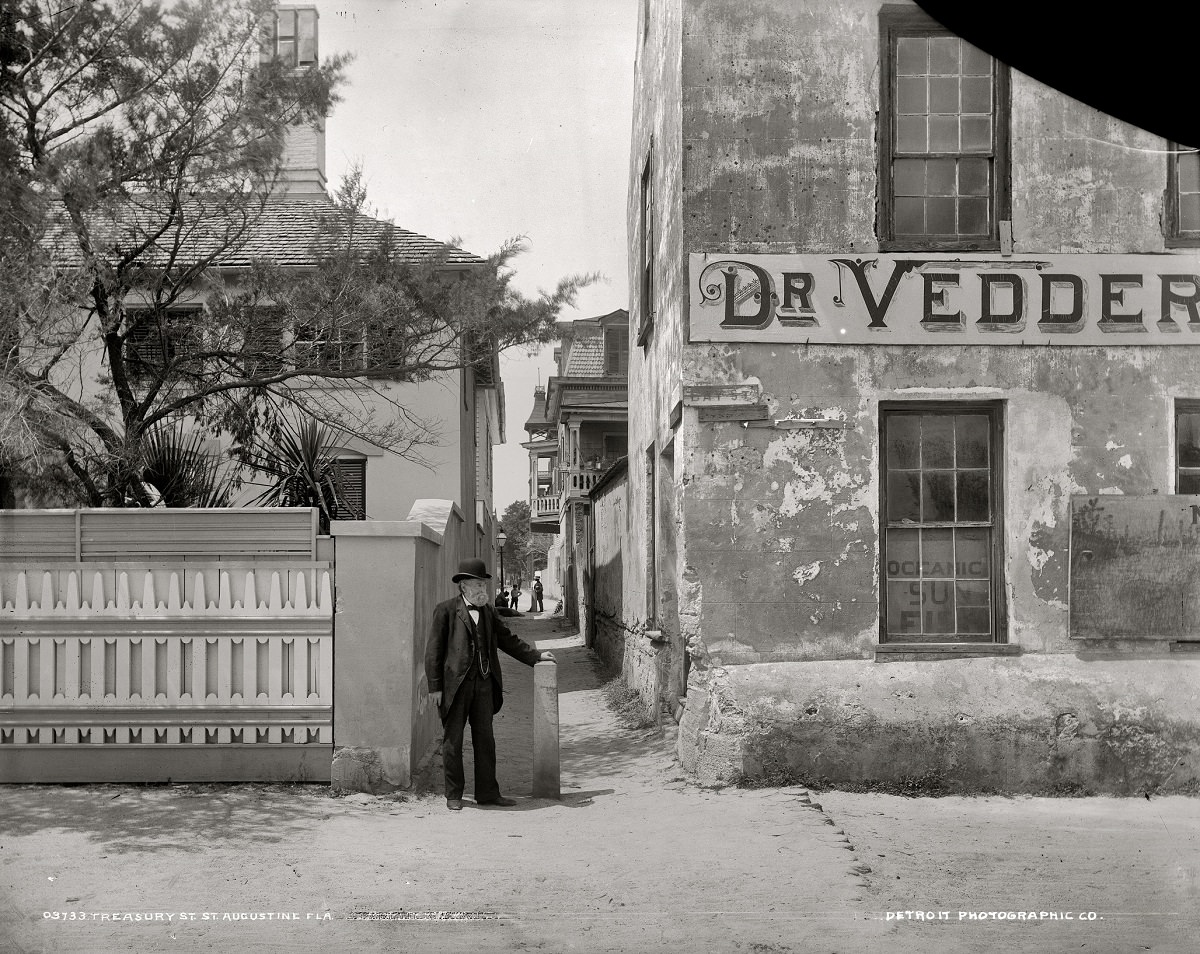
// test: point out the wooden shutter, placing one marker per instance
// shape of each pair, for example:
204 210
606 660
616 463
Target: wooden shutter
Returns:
352 476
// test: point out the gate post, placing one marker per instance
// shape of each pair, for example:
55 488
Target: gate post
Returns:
382 569
546 768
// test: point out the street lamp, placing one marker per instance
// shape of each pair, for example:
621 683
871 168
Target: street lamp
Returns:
501 539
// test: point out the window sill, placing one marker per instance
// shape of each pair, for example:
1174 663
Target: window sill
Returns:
332 384
891 245
934 652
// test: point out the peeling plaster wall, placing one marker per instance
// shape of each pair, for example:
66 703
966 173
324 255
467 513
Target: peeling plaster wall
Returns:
606 628
1081 180
655 380
778 125
782 526
778 533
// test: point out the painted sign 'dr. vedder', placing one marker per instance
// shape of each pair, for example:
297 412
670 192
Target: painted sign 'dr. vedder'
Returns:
946 299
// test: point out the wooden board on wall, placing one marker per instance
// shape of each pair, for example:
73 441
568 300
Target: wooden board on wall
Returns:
751 412
1135 567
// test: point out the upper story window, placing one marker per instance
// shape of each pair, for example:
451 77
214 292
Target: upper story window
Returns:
263 342
616 351
1183 197
646 252
293 37
329 349
155 341
943 138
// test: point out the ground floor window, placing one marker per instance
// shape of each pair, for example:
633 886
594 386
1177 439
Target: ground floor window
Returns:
1187 447
941 497
352 481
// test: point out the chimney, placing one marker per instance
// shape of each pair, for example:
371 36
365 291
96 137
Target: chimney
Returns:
293 39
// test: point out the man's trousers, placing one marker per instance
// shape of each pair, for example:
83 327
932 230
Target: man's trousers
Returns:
472 703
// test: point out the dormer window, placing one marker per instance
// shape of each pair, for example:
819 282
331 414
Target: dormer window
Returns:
616 351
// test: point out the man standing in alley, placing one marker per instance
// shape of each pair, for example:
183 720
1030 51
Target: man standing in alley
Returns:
462 667
536 602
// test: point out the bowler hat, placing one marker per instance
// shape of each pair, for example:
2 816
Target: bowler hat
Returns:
471 570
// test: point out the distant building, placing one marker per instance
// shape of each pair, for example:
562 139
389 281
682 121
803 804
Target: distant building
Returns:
908 327
577 430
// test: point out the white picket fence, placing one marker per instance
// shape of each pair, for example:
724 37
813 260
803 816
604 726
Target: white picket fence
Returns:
182 591
229 660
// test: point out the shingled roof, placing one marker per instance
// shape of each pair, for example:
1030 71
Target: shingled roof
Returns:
585 358
292 231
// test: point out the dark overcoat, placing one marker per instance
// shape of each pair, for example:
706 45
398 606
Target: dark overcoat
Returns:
449 647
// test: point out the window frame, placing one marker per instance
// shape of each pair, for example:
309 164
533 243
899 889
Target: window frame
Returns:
995 410
895 22
296 16
1182 406
264 338
324 344
359 464
143 368
616 338
1177 237
646 250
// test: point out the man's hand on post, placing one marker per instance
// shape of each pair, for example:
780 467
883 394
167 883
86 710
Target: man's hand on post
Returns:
547 657
436 698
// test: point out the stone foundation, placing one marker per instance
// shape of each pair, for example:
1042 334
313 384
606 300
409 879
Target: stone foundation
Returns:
1034 724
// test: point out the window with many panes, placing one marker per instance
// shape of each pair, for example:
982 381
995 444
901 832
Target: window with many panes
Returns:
1183 196
1187 447
943 137
329 349
941 539
292 38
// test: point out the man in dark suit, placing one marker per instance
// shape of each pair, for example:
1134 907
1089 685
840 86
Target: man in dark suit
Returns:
462 667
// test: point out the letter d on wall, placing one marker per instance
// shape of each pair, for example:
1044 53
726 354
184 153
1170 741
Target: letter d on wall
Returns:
740 290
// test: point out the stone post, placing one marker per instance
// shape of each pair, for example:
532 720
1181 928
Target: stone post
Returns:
547 782
382 571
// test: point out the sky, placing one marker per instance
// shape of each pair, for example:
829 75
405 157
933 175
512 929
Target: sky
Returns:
487 119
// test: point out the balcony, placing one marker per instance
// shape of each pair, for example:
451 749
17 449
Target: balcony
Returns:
545 507
578 481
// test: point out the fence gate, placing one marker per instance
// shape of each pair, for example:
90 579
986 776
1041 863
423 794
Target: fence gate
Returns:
204 653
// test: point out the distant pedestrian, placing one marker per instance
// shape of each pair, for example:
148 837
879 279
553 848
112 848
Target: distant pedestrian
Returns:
502 599
537 593
516 594
462 667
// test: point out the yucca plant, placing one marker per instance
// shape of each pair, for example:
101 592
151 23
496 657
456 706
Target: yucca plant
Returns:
175 465
296 460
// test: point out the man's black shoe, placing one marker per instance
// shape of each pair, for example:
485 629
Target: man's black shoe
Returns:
501 801
454 804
